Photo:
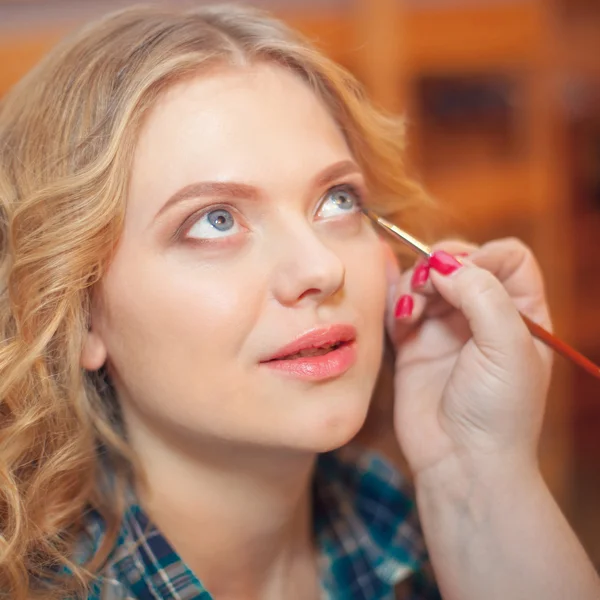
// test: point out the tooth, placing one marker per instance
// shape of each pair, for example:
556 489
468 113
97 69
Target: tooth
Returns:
309 352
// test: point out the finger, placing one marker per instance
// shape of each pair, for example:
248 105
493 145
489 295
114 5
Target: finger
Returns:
495 323
409 309
413 297
400 303
405 309
420 274
515 266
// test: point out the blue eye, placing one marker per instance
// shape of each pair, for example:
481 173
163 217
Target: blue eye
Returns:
215 223
339 200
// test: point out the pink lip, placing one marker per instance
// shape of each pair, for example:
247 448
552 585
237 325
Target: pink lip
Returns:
326 366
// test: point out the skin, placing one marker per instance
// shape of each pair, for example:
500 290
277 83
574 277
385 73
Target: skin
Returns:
228 445
184 322
471 385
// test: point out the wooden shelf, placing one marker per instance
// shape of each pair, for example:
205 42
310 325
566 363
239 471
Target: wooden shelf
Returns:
391 45
586 322
485 192
476 37
19 52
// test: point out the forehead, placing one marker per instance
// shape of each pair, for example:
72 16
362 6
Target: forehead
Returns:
258 124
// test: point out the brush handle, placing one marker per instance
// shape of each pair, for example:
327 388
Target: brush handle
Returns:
536 330
561 347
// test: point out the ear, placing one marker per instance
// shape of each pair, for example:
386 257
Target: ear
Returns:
93 354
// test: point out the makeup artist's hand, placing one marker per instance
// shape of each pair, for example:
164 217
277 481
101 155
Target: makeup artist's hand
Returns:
470 380
471 384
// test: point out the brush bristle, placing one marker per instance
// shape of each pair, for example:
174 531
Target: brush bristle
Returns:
370 214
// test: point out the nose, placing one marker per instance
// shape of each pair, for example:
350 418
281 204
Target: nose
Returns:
306 270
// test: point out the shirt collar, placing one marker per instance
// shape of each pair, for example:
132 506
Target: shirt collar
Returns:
365 523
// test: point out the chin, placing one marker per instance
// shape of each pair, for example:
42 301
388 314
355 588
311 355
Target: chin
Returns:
335 426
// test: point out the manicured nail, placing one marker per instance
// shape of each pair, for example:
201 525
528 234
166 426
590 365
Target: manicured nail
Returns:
444 263
420 275
404 307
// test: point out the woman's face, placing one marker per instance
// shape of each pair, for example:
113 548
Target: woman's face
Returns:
242 236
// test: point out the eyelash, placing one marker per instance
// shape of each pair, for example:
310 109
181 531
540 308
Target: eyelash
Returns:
195 217
346 187
190 221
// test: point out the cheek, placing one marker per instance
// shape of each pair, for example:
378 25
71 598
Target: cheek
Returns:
366 280
366 287
176 312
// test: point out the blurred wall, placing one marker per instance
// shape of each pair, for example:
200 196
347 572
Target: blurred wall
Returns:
502 101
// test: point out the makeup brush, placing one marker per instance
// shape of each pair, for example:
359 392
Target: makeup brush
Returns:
536 330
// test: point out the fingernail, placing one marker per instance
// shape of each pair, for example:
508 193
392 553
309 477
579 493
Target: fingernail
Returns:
404 307
444 263
420 275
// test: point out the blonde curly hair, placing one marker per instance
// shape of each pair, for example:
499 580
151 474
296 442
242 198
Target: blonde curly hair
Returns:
67 134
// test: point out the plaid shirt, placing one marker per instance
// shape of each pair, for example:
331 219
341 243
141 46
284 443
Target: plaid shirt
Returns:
365 523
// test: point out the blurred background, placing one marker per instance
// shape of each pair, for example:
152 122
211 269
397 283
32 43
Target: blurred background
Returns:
502 99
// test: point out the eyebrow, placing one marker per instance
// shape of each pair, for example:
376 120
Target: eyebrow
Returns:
209 188
336 171
249 192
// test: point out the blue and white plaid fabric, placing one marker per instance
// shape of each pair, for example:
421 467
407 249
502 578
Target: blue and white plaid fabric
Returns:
365 524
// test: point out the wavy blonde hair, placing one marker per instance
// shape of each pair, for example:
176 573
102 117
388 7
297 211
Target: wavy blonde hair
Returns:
67 134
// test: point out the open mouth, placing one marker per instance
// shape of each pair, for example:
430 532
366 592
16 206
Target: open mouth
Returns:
320 354
312 352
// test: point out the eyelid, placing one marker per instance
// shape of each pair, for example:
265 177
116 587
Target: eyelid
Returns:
357 189
191 220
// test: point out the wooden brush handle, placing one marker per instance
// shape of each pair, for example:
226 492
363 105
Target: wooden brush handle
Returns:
561 347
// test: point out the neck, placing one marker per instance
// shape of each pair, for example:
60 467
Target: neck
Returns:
239 517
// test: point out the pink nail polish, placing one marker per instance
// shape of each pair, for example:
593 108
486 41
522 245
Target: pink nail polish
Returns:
420 275
404 307
444 263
